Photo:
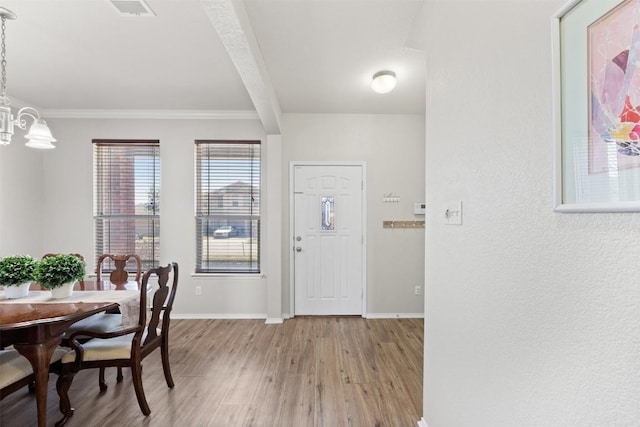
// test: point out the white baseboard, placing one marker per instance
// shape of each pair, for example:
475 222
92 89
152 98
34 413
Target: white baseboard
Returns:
220 316
422 422
395 316
275 320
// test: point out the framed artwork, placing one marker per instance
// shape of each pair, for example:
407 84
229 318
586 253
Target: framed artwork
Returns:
596 90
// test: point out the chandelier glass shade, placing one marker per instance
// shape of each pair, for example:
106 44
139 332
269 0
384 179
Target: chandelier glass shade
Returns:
39 135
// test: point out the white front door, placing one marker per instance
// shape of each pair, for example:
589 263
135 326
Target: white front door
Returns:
328 240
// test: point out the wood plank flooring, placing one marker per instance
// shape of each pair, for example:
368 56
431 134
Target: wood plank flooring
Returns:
306 372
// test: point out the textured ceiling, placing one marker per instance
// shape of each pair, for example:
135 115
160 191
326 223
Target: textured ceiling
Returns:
315 56
321 54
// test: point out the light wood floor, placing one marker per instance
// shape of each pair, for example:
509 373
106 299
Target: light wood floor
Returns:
309 371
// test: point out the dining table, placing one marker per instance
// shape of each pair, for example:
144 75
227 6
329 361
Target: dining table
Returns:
35 324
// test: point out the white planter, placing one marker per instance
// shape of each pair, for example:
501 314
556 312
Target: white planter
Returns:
64 291
17 291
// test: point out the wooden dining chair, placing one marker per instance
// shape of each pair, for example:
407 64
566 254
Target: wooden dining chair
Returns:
80 282
108 322
126 347
119 275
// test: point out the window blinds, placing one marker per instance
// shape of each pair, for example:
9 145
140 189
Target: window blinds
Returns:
127 203
227 206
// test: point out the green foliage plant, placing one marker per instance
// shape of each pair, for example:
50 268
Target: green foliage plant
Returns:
16 270
55 271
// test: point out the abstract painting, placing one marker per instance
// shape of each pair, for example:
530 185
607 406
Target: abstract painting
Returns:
613 50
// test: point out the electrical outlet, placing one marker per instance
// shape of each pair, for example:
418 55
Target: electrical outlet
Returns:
198 290
418 290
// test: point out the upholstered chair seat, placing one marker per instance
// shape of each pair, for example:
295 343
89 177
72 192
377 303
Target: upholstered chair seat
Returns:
16 371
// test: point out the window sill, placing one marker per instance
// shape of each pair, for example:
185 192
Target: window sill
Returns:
244 276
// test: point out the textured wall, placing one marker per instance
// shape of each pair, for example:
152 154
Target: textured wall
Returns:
532 317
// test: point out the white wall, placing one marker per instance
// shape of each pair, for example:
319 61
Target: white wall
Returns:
393 148
68 203
50 209
531 317
20 198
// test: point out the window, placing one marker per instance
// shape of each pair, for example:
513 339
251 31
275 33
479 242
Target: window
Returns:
227 232
127 199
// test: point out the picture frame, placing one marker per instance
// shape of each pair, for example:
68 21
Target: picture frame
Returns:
596 106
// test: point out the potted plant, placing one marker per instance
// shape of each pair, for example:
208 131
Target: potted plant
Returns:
59 273
16 273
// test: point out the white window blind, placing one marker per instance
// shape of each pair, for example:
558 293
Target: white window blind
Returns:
127 204
227 206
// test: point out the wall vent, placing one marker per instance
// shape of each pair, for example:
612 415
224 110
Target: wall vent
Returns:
132 8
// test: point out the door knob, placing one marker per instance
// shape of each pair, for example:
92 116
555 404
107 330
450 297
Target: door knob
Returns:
298 238
298 249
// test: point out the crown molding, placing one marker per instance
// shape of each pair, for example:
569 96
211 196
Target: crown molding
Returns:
151 114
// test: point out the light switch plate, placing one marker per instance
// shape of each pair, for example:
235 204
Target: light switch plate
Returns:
452 213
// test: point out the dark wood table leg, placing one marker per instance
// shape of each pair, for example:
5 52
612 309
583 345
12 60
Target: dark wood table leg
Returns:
39 355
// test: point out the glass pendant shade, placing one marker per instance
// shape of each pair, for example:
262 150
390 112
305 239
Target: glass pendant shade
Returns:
39 136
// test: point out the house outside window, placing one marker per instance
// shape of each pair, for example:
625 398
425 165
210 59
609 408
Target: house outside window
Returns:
227 186
127 199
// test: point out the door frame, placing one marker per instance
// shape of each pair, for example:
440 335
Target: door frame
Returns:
291 241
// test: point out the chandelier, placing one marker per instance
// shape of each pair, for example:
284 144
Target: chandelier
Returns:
39 135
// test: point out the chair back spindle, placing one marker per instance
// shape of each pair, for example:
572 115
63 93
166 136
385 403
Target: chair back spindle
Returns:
119 275
163 297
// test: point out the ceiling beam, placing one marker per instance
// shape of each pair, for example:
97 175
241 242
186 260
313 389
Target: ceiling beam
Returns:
416 39
231 22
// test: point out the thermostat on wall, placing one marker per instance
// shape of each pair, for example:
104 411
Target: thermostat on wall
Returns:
419 208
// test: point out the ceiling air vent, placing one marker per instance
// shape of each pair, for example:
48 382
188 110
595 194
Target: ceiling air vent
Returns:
132 8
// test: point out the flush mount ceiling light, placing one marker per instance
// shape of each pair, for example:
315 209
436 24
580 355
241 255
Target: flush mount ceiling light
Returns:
39 135
383 81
